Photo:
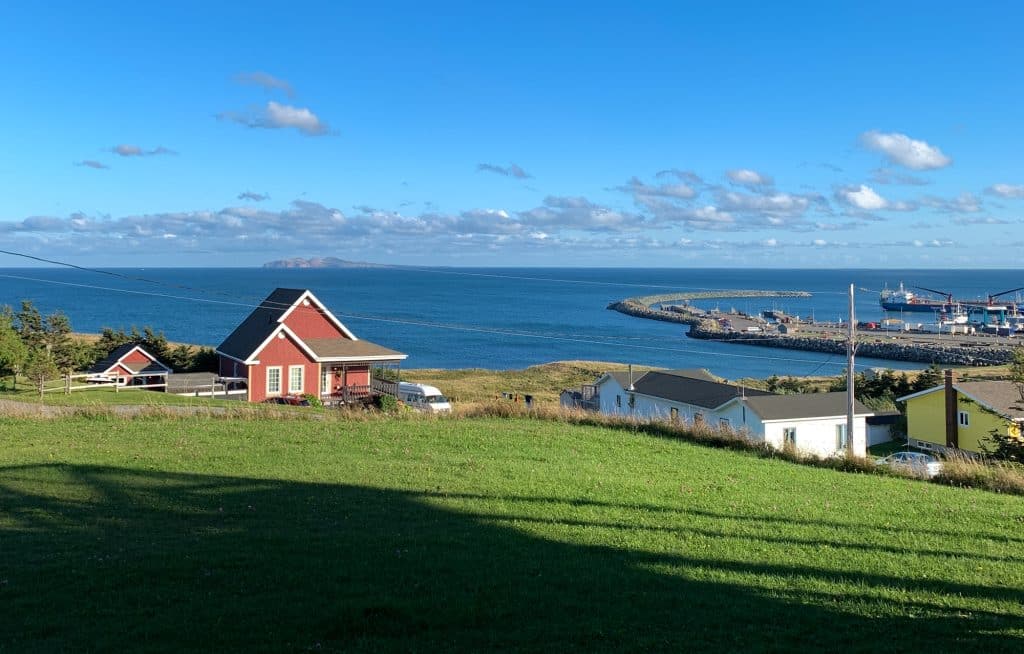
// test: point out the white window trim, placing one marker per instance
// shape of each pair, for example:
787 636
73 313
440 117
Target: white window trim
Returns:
273 393
841 441
789 435
964 419
302 379
325 380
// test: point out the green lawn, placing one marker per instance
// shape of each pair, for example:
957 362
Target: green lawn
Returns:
489 534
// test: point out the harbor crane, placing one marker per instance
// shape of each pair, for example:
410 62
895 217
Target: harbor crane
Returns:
992 297
945 294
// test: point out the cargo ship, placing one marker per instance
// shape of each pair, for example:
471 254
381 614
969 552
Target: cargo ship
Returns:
901 299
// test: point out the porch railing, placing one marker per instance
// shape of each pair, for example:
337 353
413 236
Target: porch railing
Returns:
384 387
353 394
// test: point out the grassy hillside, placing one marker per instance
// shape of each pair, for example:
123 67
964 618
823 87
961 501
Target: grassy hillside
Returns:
391 534
544 381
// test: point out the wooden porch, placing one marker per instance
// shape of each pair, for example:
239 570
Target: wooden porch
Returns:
358 383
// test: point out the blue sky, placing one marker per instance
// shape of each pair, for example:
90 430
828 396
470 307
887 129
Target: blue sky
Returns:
667 134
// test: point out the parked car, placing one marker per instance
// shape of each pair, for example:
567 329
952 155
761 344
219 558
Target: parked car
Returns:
423 398
918 463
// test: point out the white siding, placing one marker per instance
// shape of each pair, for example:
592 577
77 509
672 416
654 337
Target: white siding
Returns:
879 434
607 391
815 435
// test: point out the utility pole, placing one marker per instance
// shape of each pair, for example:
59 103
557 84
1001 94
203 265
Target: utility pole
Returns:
851 348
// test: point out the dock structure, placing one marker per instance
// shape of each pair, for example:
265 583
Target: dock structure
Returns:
946 349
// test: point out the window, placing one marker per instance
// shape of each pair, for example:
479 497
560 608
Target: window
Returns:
673 414
295 379
325 381
964 419
723 423
789 436
274 380
618 401
698 418
840 437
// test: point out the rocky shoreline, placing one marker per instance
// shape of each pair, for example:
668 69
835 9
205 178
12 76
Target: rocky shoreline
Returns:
895 347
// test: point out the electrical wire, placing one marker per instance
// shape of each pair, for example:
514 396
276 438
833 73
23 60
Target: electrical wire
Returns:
270 304
419 323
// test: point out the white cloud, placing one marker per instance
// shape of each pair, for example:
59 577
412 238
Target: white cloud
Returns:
280 116
512 170
987 220
862 197
1006 190
253 196
640 190
963 203
902 150
91 163
778 204
302 119
820 242
130 150
749 178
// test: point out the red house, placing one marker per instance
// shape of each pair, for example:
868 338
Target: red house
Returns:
291 345
129 364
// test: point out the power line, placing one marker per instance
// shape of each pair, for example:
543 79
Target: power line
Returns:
418 323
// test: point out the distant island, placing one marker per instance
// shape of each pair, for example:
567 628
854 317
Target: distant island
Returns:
321 262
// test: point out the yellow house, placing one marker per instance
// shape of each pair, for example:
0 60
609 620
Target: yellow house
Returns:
962 416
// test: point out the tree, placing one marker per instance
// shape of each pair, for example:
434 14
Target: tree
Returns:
29 323
64 352
928 378
1017 370
12 350
39 366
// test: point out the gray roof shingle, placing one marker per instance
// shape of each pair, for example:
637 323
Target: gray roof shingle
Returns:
1001 396
803 405
259 324
690 390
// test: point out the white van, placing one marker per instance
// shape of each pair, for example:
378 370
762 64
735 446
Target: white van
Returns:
423 398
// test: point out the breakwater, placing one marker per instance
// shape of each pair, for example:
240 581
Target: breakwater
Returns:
893 347
644 306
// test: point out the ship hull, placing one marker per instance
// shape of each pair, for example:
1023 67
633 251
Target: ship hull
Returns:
922 307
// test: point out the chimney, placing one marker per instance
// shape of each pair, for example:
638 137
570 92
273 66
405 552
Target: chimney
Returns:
952 427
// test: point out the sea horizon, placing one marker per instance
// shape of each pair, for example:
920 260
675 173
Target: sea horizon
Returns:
493 318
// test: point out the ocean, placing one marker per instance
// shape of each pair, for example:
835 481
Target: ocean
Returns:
494 318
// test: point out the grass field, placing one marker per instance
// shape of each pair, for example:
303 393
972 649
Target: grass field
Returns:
484 534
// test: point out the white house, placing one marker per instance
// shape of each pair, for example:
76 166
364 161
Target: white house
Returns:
813 422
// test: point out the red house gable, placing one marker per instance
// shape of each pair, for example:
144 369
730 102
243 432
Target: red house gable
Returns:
308 318
292 344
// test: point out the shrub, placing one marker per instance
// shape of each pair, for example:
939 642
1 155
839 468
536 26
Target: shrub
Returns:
387 403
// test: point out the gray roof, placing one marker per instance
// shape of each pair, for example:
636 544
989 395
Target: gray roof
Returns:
698 392
803 405
259 324
339 348
148 368
622 376
1001 396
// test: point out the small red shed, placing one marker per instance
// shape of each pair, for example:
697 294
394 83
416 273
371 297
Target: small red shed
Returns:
129 364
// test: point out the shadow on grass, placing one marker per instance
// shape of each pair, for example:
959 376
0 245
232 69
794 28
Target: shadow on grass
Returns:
97 558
